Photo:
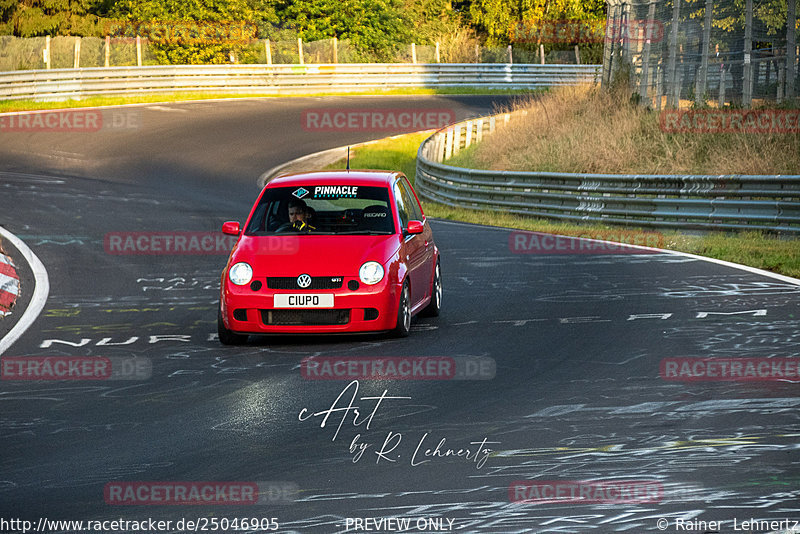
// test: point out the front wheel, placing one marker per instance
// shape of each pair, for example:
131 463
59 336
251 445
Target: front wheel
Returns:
228 337
435 307
403 326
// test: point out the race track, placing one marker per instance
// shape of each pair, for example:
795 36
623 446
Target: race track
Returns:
577 340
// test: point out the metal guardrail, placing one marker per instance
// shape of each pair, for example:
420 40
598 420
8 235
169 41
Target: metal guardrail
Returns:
57 84
724 202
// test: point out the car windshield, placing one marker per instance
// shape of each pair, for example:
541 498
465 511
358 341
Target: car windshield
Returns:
323 210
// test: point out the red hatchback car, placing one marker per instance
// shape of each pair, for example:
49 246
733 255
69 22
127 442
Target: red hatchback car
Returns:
330 252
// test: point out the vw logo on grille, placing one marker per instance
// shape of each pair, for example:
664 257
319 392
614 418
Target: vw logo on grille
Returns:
303 281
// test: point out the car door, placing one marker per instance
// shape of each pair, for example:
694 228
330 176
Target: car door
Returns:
413 249
415 212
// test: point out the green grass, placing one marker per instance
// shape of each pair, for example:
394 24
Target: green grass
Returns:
764 251
93 101
390 154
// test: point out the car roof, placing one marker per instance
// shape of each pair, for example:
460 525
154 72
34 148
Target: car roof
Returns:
351 177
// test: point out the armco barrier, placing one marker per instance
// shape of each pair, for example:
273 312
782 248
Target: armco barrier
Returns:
724 202
59 84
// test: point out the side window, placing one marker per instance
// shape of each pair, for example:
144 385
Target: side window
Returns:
411 201
402 208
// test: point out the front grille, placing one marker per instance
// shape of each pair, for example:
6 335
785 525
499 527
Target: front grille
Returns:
305 317
317 282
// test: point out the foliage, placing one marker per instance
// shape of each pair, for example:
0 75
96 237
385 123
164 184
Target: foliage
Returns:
225 16
30 18
378 26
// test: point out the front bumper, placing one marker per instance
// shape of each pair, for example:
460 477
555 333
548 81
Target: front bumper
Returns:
371 309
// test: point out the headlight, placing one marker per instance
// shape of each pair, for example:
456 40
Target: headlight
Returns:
371 273
241 273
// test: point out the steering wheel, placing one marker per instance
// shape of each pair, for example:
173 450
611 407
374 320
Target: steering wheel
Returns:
285 227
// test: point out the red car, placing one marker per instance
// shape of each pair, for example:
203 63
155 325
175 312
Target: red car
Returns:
330 252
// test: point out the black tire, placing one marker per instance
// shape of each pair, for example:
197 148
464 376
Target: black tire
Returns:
403 326
227 337
435 306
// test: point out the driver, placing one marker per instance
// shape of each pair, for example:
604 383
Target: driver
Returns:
298 216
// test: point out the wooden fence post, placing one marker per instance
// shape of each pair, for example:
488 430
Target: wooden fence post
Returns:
77 61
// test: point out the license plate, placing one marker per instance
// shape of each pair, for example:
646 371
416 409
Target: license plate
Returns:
303 300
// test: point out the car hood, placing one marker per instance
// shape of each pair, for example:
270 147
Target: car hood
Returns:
314 255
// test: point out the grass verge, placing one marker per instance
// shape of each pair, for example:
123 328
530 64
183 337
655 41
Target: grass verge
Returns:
764 251
583 129
95 101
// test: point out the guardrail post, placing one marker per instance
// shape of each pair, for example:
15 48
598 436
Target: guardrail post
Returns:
457 139
138 51
577 55
108 51
510 57
437 52
448 143
477 53
268 50
541 54
335 49
413 53
440 143
468 139
77 61
479 131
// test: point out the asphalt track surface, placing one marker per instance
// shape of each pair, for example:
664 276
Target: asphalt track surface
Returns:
577 341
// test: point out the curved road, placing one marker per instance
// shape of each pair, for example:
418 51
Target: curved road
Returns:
577 341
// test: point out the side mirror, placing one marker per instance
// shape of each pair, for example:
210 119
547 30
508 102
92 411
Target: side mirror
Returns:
414 227
231 228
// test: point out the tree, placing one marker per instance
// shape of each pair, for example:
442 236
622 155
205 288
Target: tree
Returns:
498 18
192 31
30 18
378 26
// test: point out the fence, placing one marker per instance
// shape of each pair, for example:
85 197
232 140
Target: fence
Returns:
726 202
703 52
32 53
59 84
